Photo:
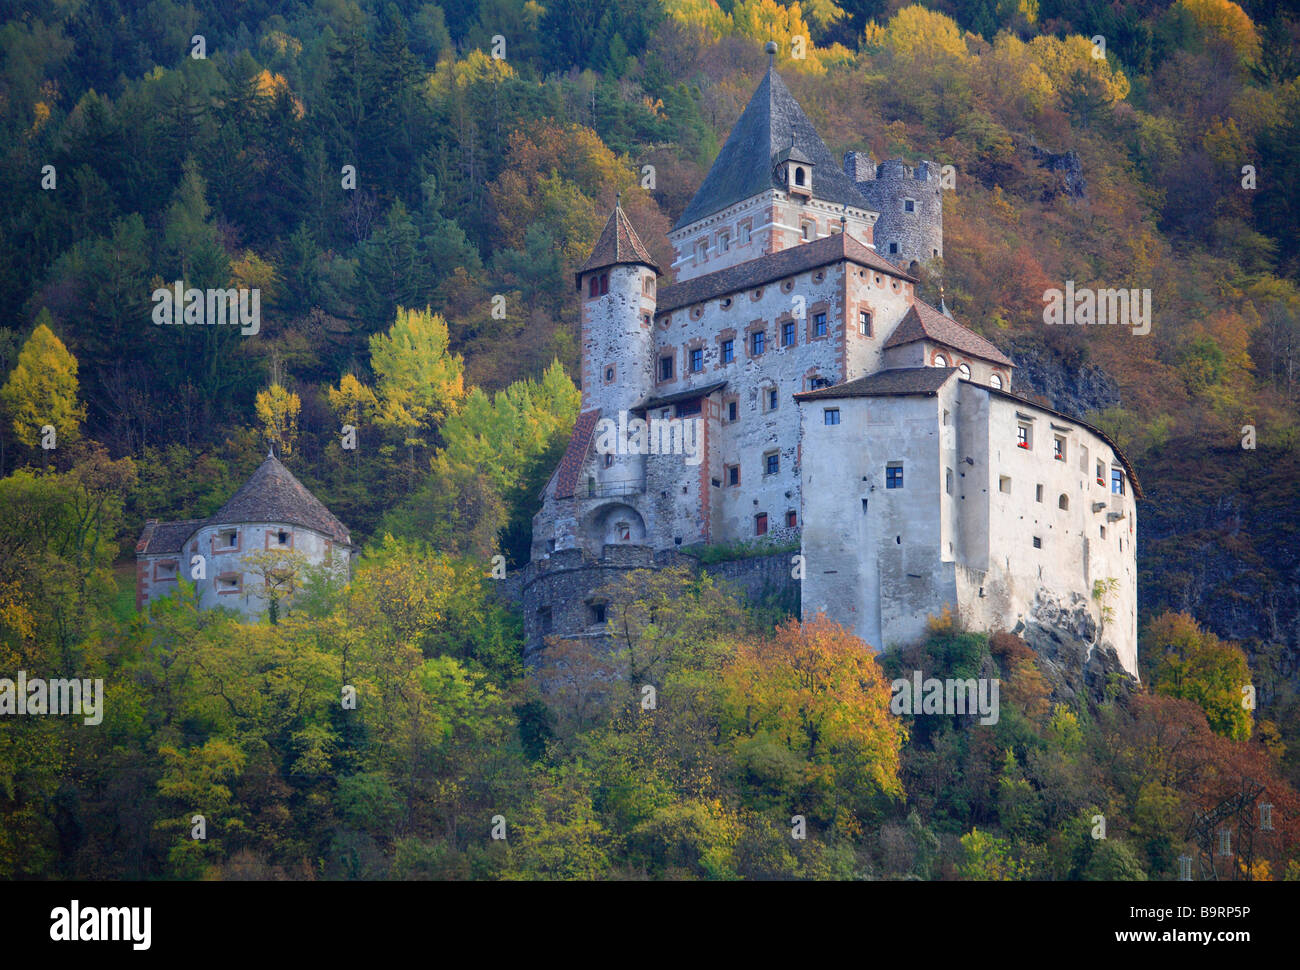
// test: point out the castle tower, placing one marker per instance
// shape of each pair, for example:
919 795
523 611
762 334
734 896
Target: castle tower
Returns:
774 185
910 202
617 283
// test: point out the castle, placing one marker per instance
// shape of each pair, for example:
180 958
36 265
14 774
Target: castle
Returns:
790 388
226 554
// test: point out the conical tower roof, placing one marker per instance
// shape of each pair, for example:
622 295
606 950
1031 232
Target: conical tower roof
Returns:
771 124
618 245
273 494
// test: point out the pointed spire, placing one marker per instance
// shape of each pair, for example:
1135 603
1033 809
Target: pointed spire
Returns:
770 47
771 125
943 307
618 245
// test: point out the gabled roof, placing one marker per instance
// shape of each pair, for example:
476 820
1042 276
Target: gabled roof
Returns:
272 494
924 322
618 245
826 251
160 538
896 381
566 476
746 164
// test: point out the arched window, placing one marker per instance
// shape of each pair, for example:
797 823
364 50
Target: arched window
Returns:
995 382
798 176
1063 502
964 370
940 360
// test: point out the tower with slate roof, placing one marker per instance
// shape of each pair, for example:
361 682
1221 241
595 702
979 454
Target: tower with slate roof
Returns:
271 512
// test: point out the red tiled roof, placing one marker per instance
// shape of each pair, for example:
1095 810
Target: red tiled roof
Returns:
924 322
575 453
618 244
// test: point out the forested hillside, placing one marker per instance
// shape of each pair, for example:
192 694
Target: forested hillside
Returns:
410 187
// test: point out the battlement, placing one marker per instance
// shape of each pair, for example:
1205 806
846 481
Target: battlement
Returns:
861 167
909 200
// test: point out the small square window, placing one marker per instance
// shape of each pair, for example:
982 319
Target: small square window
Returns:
728 351
894 476
760 524
909 205
831 415
1004 484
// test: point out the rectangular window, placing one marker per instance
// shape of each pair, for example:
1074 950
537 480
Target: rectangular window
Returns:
1116 481
697 360
733 411
760 524
1022 435
894 475
831 415
1004 484
947 481
733 474
807 230
1101 474
724 242
743 232
1038 493
792 519
757 341
771 398
819 325
893 248
1038 543
771 463
864 323
787 334
909 205
728 351
665 368
1058 448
